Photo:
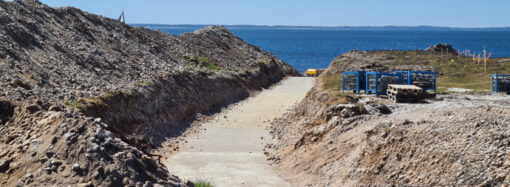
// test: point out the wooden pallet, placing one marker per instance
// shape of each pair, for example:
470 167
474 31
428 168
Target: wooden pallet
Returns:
398 88
397 99
405 93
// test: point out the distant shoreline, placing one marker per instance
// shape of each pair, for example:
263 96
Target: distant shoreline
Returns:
380 28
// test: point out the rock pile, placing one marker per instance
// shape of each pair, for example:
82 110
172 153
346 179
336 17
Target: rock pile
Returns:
84 98
446 146
65 147
443 48
330 140
66 53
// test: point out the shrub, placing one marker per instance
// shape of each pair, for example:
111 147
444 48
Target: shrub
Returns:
73 103
205 62
265 61
213 67
142 83
203 183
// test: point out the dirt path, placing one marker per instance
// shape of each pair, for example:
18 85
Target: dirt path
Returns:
230 151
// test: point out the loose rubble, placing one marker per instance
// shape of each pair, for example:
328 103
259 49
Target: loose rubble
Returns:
84 99
454 140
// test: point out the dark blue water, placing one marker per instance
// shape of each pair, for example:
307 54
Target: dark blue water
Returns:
316 48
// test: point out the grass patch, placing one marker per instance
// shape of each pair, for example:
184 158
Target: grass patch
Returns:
206 63
468 75
461 73
73 103
332 82
213 67
90 100
265 61
84 102
107 95
142 83
203 183
240 72
203 59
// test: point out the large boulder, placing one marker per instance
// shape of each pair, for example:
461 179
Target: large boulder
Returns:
443 48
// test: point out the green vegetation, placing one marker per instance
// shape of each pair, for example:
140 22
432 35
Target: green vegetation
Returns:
73 103
213 67
265 61
203 183
203 59
458 75
107 96
240 72
142 83
462 72
205 62
90 100
84 102
332 82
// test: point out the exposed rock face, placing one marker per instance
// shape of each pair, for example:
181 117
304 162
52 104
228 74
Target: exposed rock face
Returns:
443 48
84 98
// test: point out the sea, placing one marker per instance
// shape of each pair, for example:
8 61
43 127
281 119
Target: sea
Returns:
316 47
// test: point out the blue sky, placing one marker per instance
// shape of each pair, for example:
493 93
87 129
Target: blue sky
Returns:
453 13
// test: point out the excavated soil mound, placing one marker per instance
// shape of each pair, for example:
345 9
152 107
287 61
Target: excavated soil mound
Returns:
331 139
84 99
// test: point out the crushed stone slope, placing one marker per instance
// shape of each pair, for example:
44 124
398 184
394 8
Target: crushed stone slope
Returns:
85 99
335 140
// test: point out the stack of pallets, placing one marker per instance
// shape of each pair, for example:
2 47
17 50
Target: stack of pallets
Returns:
405 93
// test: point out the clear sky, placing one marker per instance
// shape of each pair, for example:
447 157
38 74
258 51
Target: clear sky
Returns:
453 13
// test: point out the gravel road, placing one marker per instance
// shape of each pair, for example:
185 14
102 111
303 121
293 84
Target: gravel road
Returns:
229 152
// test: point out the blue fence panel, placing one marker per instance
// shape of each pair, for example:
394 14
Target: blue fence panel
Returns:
353 81
500 83
377 82
427 79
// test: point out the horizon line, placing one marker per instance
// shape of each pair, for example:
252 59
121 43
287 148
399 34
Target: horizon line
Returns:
345 26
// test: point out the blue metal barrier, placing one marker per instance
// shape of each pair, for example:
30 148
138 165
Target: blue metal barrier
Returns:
377 82
500 83
430 77
353 81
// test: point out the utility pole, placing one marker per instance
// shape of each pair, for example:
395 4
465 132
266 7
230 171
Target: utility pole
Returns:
485 60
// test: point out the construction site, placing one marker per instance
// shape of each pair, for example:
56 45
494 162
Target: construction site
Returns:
405 86
87 100
383 118
399 86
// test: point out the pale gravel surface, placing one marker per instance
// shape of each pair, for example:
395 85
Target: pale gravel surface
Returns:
229 152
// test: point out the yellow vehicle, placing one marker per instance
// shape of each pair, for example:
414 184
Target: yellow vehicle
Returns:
312 72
